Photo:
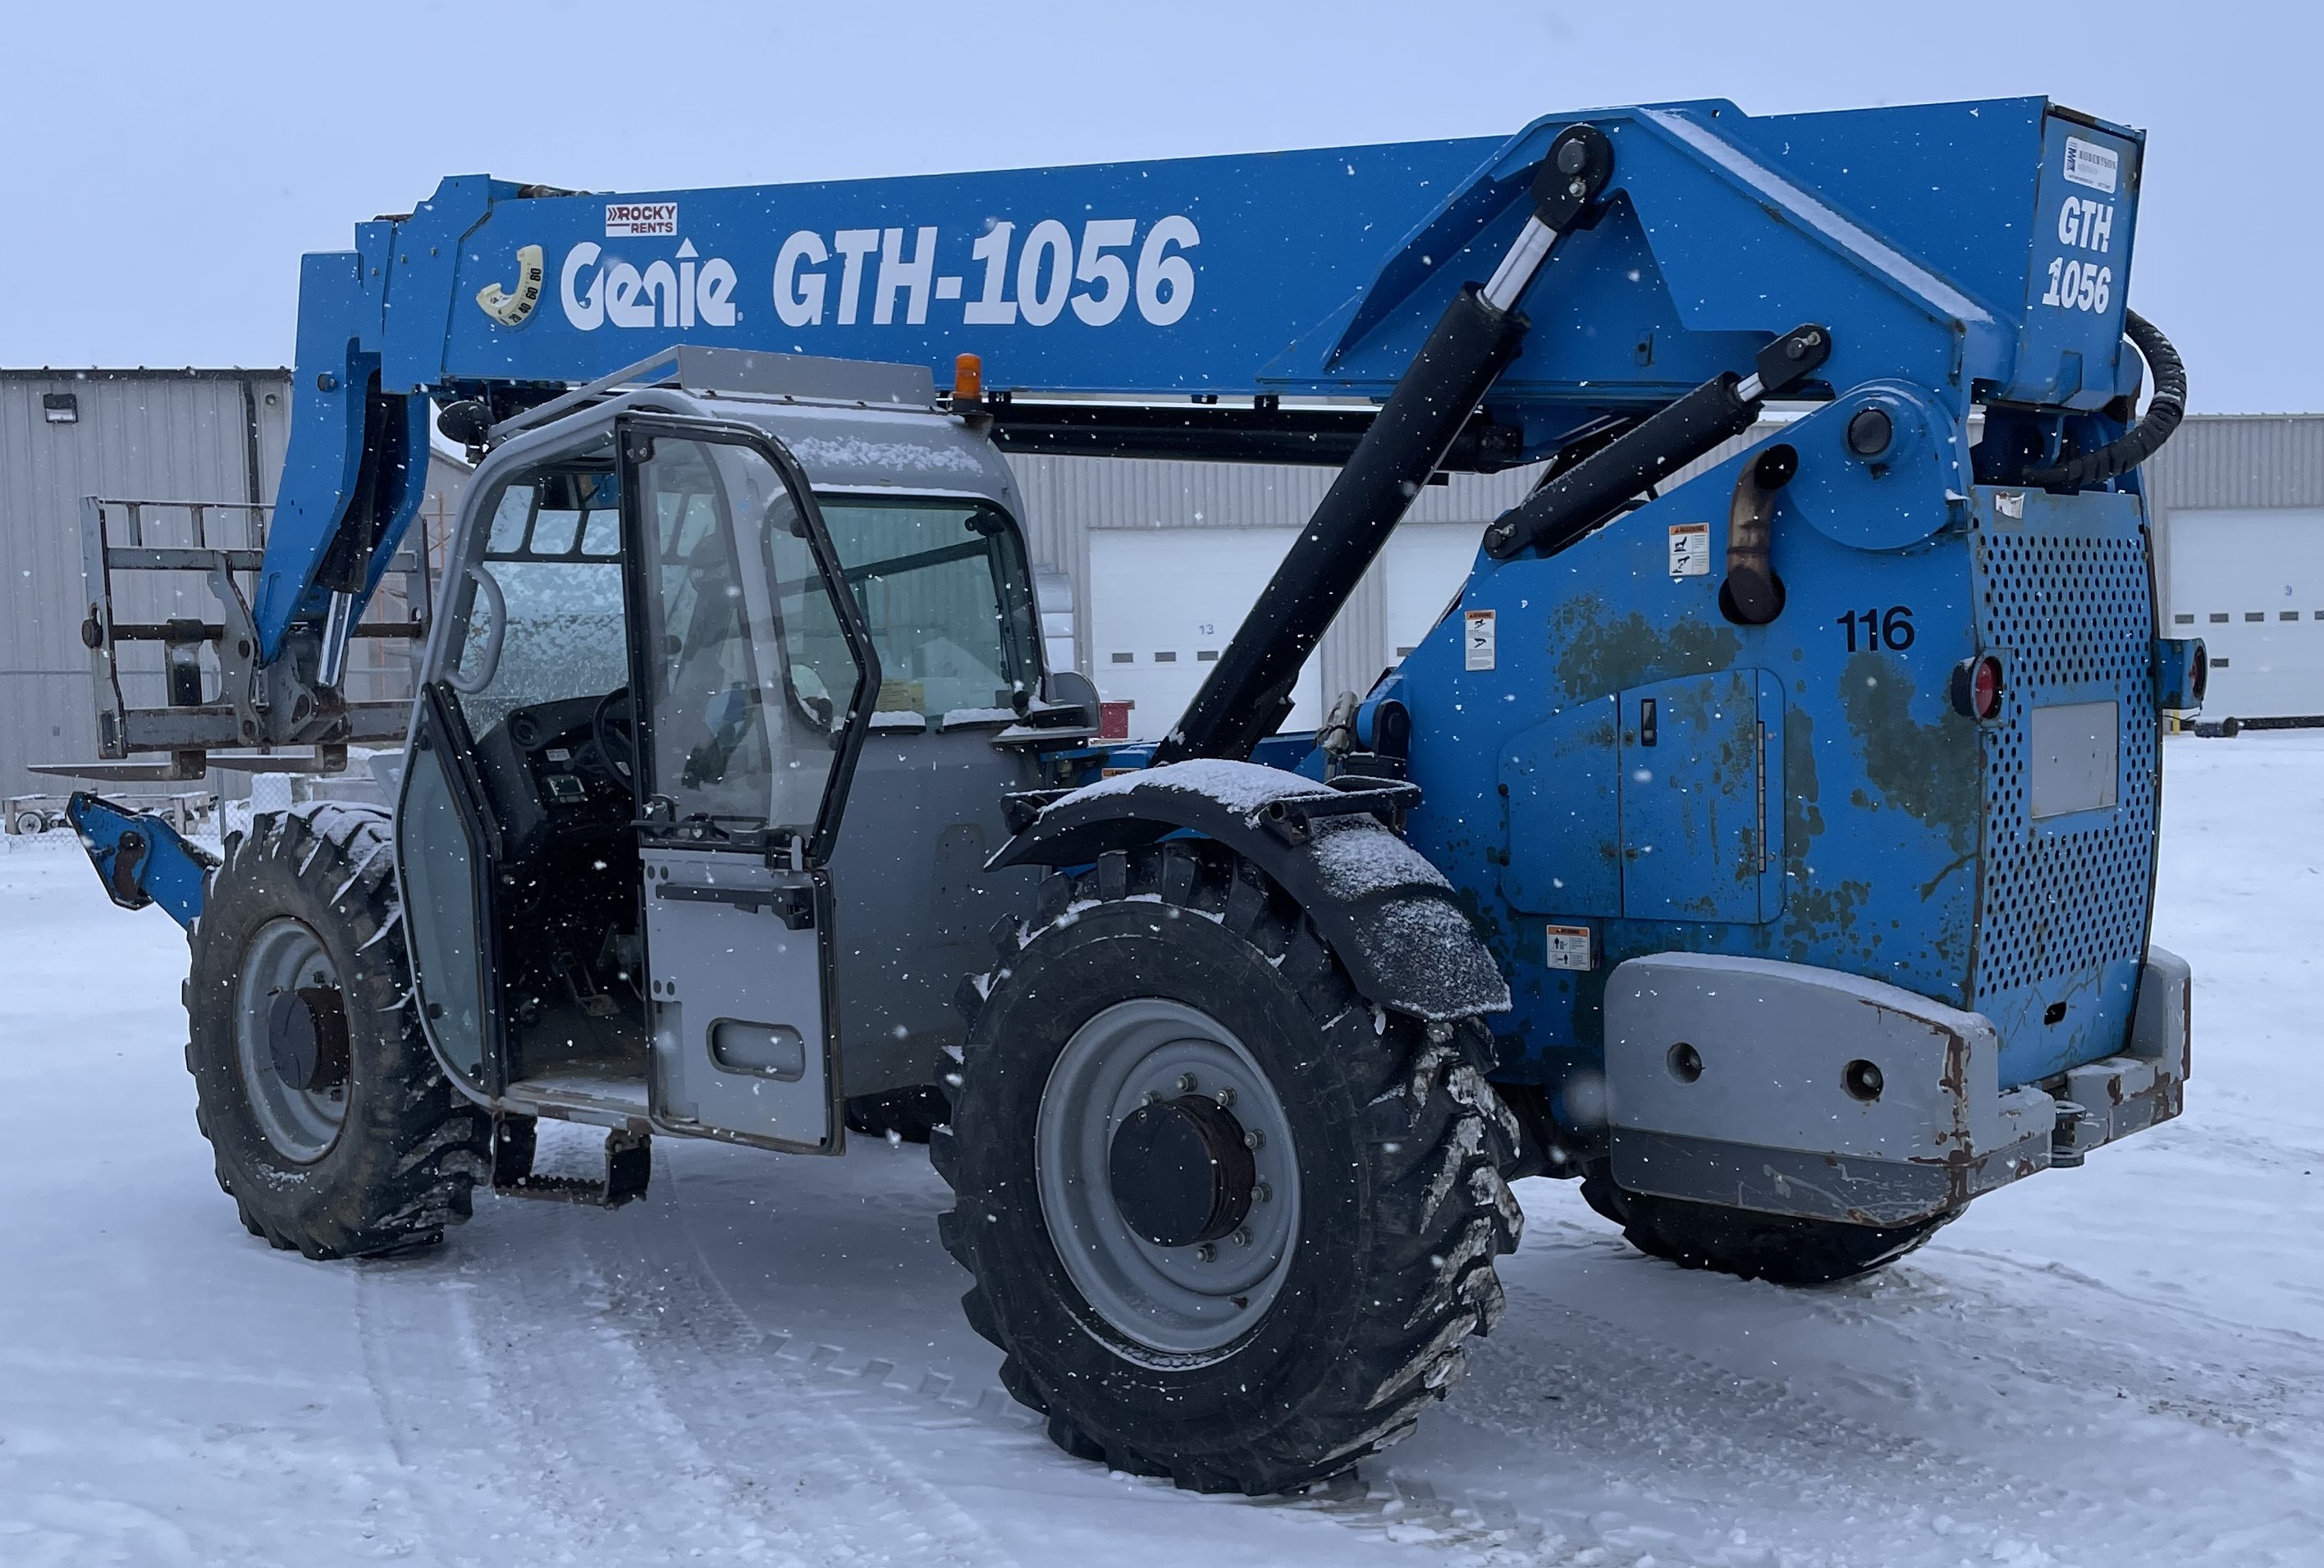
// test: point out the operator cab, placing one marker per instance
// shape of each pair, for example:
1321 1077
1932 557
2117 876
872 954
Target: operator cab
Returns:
689 692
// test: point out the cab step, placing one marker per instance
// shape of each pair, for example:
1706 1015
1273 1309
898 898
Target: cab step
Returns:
629 1167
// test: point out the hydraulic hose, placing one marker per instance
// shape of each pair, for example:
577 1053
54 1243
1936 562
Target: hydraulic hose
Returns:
2164 410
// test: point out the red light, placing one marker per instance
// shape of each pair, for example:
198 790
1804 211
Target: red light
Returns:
1985 689
1976 688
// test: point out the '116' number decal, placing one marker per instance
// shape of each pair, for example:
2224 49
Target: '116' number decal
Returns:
1891 629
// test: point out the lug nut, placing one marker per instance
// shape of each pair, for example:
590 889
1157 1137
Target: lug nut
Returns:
1226 1096
1151 1097
1261 1192
1254 1139
1185 1082
1241 1238
1206 1253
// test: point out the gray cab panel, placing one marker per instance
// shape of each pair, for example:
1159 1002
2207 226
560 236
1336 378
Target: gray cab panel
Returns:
923 816
742 1044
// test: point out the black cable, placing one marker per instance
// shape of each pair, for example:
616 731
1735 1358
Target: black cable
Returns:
2164 410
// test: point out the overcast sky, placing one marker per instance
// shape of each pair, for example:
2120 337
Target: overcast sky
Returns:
167 164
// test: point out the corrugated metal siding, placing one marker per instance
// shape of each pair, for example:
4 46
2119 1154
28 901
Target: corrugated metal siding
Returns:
2232 460
2222 460
143 435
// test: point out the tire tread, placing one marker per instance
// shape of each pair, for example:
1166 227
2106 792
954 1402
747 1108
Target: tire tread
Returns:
1438 1138
433 1145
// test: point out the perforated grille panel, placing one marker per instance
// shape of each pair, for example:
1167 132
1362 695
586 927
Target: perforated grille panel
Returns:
2072 619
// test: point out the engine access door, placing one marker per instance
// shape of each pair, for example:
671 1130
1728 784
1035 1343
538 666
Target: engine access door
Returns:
754 674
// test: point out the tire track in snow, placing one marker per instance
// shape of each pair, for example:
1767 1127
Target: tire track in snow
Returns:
1696 1447
531 1423
692 1332
1403 1510
447 1428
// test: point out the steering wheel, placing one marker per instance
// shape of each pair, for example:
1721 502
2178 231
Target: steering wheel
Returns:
604 726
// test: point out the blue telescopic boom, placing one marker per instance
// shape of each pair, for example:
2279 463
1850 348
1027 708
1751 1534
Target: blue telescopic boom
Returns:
1317 273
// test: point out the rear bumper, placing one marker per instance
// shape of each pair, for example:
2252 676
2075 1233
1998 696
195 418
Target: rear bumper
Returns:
1790 1090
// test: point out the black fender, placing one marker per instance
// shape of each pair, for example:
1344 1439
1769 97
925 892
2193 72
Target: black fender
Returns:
1390 916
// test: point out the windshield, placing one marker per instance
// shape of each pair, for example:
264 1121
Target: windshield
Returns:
943 585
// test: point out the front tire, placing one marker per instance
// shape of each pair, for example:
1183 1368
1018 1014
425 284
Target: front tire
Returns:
1780 1248
331 1125
1365 1218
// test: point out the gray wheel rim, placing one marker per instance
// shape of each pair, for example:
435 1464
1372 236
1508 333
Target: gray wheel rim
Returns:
1169 1299
301 1124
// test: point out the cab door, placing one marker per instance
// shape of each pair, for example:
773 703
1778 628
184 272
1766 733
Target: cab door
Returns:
753 673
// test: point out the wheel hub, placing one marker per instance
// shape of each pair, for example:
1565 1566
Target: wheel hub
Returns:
292 1041
1180 1172
1168 1177
307 1037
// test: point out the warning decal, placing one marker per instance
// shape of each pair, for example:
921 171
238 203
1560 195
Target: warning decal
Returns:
1479 640
1689 549
1569 948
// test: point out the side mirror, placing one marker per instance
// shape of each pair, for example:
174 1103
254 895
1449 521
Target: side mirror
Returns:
1071 688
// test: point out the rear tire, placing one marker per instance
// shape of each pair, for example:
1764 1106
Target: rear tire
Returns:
1370 1259
386 1156
1780 1248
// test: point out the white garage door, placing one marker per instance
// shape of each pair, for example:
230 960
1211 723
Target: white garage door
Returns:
2251 584
1425 564
1163 603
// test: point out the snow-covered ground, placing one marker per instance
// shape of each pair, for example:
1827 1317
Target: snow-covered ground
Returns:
764 1364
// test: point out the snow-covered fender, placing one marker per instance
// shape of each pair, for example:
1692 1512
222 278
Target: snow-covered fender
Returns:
1389 915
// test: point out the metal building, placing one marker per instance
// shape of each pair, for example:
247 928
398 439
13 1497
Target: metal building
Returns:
205 435
214 436
2238 508
1157 562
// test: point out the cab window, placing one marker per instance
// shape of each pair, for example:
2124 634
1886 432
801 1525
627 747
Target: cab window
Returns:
943 586
555 627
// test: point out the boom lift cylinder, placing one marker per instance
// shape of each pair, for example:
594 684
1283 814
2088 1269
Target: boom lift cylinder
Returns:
1246 695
